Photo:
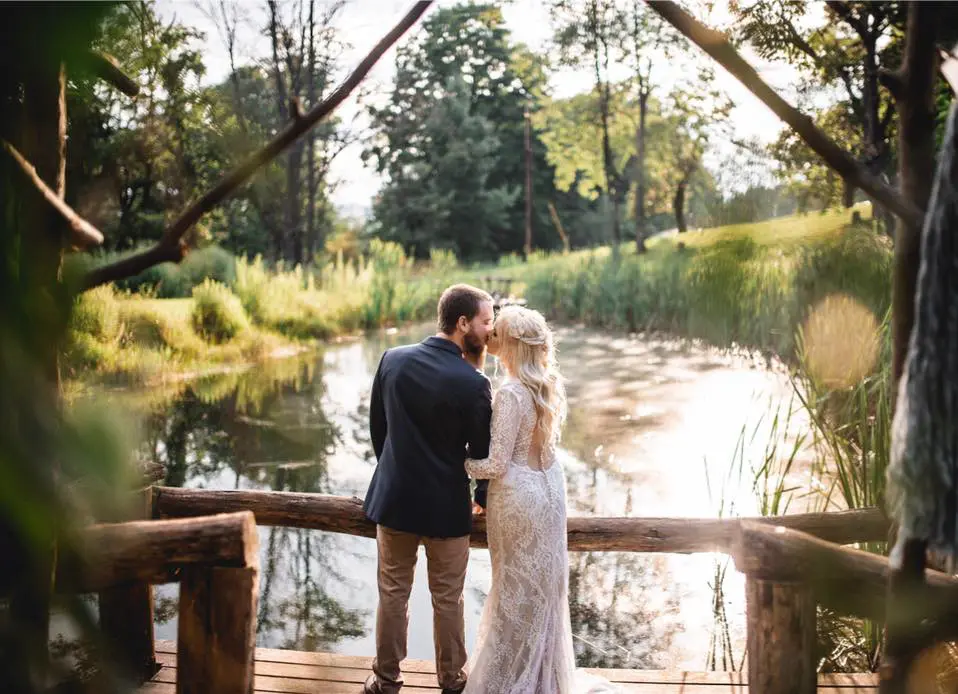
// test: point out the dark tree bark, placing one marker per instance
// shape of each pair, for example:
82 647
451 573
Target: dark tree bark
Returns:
282 236
916 167
310 240
613 182
42 238
678 205
640 133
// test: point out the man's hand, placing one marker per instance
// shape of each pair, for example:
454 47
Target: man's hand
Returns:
477 510
477 360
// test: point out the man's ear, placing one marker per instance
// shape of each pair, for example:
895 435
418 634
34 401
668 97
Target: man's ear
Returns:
463 324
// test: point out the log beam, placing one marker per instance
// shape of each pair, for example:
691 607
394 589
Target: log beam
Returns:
157 551
126 615
675 535
781 637
848 580
216 630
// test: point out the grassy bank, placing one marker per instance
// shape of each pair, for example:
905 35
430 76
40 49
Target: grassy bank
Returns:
750 285
250 312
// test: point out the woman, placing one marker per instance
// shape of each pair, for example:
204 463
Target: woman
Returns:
524 644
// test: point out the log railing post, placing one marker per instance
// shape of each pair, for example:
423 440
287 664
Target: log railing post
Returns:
217 627
781 637
126 615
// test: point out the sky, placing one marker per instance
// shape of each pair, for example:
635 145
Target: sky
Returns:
364 22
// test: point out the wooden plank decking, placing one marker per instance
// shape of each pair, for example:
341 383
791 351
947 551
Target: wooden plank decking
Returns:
297 672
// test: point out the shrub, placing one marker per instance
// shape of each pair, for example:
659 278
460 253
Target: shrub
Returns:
97 313
218 315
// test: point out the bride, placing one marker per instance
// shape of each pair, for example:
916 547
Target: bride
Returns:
524 644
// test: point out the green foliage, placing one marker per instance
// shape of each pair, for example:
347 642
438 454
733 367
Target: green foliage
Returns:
735 285
172 280
451 137
218 315
97 315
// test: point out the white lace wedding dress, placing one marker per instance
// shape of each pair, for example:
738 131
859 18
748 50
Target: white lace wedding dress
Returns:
524 645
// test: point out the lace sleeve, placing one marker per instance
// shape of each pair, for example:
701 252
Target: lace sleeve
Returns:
505 429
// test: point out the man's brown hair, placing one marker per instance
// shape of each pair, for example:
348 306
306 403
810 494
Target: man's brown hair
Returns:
459 300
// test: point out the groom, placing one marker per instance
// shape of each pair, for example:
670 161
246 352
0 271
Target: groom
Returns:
430 407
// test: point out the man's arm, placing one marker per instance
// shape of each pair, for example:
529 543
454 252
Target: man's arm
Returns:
480 431
479 426
377 412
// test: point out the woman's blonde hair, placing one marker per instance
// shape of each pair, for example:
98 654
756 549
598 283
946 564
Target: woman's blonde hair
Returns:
527 350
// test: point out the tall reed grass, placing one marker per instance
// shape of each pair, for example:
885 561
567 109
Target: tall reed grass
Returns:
736 290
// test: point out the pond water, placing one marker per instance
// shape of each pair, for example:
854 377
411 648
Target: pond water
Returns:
656 428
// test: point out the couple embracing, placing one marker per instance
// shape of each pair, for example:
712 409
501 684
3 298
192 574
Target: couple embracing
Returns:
434 424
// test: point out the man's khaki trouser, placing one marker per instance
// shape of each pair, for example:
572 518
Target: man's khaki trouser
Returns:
446 560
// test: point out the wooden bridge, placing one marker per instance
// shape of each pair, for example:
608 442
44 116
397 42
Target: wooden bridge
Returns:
206 540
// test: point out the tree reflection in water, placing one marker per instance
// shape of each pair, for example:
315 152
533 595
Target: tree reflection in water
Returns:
265 429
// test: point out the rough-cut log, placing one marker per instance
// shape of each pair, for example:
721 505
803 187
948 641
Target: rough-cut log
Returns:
216 631
108 69
126 614
157 551
675 535
848 580
780 637
170 247
83 234
717 46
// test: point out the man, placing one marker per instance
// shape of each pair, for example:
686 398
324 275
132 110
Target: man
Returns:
429 408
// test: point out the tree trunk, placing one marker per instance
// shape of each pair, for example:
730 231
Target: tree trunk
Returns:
230 32
281 236
293 246
678 205
600 55
640 173
916 148
310 241
527 148
45 146
916 157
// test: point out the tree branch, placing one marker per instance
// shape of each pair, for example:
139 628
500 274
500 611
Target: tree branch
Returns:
840 8
891 81
717 46
84 233
108 69
170 247
949 69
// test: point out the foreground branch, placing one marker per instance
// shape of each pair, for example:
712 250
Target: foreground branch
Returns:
847 580
170 245
84 234
949 69
717 46
107 69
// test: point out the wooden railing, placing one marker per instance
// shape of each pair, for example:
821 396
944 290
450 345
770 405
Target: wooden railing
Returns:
340 514
791 563
215 559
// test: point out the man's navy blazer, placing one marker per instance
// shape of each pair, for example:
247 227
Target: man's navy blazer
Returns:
428 410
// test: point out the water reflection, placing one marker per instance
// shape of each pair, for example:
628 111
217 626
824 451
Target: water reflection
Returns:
649 422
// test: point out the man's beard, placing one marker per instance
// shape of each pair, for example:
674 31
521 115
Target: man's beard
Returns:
472 344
